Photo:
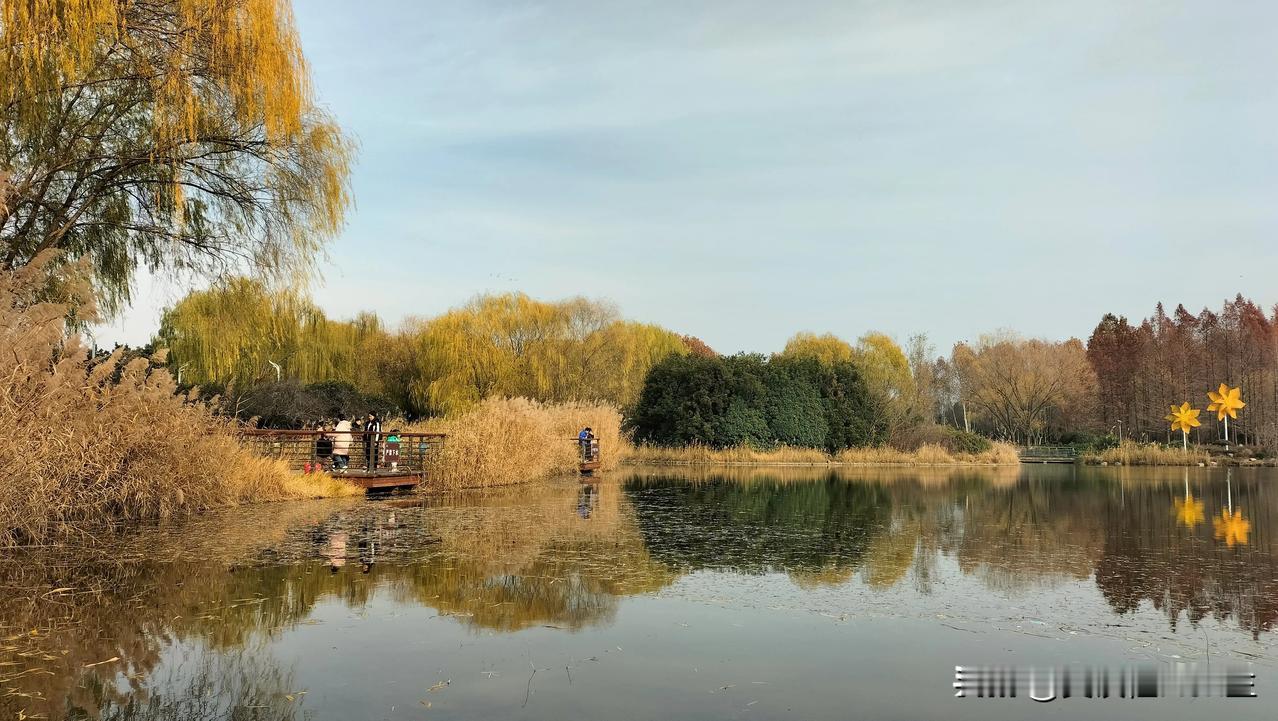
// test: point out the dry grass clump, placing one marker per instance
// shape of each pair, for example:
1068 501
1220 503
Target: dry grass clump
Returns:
928 454
1001 454
503 441
696 454
1150 454
83 442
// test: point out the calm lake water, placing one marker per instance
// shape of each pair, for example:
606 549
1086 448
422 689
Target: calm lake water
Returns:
659 594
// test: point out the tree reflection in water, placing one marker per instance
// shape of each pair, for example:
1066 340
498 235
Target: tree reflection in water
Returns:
563 554
244 685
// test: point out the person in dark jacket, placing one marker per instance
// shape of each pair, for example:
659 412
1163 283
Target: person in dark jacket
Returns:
372 436
324 445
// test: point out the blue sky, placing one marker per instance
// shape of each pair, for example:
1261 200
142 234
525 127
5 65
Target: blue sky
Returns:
742 170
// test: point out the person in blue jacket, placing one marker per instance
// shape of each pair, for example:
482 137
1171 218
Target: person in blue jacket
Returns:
583 439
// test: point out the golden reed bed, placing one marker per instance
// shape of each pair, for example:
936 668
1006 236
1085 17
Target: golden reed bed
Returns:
926 455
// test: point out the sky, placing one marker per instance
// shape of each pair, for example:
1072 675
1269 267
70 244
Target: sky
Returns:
741 170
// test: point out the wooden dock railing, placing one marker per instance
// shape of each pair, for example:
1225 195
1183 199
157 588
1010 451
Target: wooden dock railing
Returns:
1048 454
383 453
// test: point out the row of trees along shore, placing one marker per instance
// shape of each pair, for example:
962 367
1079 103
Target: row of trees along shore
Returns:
675 390
228 337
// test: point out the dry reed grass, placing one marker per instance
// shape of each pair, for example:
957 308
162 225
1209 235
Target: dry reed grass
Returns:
1149 454
926 455
925 476
83 442
504 441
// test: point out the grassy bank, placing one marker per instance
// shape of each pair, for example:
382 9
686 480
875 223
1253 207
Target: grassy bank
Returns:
86 441
1154 454
926 455
504 441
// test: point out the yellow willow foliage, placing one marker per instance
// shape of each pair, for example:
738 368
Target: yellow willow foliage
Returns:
881 362
886 371
514 346
827 348
173 135
232 333
248 47
495 346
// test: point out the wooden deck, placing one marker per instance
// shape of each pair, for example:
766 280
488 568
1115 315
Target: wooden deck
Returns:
412 454
382 480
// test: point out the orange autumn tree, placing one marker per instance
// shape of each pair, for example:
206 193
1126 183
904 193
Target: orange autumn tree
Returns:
176 135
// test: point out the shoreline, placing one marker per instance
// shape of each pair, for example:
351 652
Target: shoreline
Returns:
626 462
928 454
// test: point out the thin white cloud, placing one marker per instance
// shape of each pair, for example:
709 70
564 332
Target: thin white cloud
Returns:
939 166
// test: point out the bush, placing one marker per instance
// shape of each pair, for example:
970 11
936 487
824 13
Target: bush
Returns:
965 442
950 438
1089 442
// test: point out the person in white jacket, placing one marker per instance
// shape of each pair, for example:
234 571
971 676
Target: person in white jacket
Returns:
341 444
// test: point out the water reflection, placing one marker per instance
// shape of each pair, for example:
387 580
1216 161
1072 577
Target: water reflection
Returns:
84 632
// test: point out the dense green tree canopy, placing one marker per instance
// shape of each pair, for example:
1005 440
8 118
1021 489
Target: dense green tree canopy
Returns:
748 399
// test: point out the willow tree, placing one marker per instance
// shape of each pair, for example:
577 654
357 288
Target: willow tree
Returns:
887 373
513 345
239 331
174 135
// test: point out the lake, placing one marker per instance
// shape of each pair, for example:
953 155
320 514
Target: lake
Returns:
751 593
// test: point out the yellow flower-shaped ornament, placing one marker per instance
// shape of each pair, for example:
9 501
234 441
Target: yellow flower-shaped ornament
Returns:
1232 528
1226 402
1182 419
1189 512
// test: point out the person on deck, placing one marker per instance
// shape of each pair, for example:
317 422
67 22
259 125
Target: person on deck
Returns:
324 445
372 434
583 439
341 444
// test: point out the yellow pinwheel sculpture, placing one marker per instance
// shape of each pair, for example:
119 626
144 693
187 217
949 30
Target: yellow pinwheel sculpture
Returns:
1182 419
1232 528
1189 512
1226 402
